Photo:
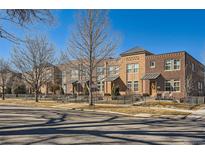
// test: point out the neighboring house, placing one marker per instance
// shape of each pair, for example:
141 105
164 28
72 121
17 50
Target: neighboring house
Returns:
54 80
177 73
138 71
11 79
75 77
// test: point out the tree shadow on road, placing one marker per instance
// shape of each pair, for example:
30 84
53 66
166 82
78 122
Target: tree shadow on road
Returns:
60 125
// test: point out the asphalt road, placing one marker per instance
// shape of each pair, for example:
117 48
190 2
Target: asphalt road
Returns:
23 125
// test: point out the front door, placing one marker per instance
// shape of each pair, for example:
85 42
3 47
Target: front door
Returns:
153 88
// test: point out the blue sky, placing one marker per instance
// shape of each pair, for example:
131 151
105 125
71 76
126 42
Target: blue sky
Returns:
158 31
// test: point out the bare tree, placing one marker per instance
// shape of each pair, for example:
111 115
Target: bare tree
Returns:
22 17
33 61
189 84
4 71
189 81
91 43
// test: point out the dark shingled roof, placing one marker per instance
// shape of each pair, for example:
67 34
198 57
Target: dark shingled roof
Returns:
149 76
135 50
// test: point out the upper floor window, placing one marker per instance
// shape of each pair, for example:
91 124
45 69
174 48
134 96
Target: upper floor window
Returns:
112 70
74 73
100 70
136 67
172 64
200 86
132 68
63 74
129 68
152 64
193 67
176 64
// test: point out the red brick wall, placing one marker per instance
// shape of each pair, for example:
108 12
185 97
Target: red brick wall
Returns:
166 75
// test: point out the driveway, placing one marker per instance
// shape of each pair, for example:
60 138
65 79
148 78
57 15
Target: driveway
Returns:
24 125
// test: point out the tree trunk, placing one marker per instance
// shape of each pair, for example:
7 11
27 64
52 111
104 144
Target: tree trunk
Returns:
90 91
3 92
36 95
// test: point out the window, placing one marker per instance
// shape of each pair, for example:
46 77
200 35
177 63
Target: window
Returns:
168 65
193 67
152 64
129 68
64 76
100 70
100 86
176 85
172 64
129 85
65 88
176 64
168 85
112 70
136 67
136 86
172 85
74 73
200 86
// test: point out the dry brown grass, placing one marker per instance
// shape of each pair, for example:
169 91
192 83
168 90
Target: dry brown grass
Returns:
132 110
174 105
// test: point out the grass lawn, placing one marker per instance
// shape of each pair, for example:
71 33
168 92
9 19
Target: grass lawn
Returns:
126 109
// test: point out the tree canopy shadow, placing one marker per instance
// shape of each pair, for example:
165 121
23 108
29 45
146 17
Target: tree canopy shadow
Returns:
57 126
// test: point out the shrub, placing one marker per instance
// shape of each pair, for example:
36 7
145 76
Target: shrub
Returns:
21 89
115 92
8 90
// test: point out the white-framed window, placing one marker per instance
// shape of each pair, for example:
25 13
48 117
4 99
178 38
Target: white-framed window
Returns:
65 88
64 76
100 85
176 64
168 64
129 68
136 67
172 85
176 86
100 70
172 64
136 85
113 70
193 67
132 68
152 64
129 85
200 86
74 73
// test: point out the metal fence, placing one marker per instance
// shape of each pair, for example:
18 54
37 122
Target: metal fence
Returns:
126 99
194 100
83 98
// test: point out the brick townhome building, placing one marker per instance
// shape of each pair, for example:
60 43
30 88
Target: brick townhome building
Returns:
139 71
